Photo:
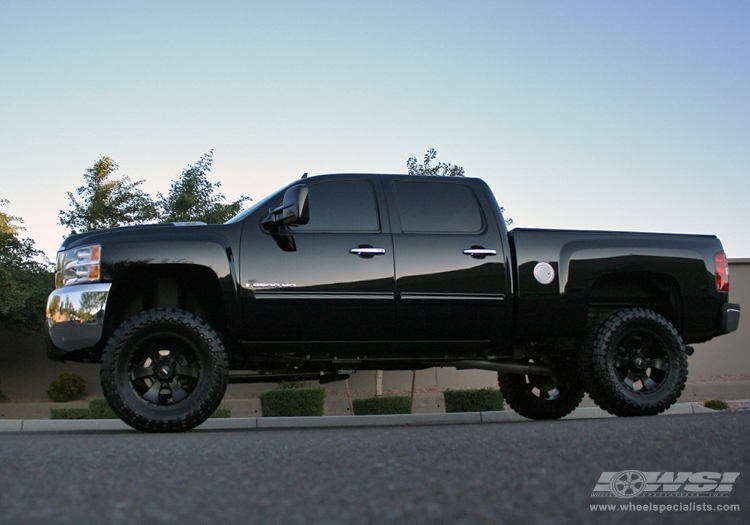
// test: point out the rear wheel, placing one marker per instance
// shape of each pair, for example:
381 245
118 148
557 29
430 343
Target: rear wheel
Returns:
164 370
634 363
543 397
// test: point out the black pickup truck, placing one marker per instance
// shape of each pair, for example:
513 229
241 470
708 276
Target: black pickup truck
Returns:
339 273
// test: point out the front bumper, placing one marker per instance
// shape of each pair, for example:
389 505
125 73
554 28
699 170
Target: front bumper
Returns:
730 317
75 320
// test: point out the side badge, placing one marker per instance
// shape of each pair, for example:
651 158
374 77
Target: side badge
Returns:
544 273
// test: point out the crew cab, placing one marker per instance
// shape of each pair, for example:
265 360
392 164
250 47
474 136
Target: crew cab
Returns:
334 274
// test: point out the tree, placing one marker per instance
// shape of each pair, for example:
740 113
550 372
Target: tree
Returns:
107 202
441 169
25 276
192 197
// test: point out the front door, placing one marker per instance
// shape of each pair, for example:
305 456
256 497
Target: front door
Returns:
328 280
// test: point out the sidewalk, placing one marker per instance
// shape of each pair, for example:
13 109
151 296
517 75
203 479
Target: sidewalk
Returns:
428 410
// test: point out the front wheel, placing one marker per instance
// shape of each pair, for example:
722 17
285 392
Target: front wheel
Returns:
164 370
634 363
543 397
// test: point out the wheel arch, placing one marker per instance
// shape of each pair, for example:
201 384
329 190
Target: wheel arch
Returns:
191 288
653 291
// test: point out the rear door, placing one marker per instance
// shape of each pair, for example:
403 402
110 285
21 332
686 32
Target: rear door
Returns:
450 266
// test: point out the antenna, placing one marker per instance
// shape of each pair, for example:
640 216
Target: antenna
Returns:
304 175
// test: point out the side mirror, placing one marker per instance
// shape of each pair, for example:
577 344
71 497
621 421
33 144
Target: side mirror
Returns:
293 210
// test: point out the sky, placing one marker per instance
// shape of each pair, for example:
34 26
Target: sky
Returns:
619 115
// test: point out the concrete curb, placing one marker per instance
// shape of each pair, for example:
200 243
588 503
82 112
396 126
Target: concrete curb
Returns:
58 425
253 423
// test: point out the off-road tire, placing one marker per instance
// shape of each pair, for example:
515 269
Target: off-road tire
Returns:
542 397
164 370
634 363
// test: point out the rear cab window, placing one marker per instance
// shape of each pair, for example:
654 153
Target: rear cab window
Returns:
437 207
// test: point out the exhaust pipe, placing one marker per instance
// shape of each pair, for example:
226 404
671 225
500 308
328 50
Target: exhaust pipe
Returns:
322 377
500 366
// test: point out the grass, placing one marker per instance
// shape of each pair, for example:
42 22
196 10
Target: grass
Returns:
716 404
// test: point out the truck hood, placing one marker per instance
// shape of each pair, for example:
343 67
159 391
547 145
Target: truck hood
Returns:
97 236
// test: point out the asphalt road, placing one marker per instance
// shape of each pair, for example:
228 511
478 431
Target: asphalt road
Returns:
526 472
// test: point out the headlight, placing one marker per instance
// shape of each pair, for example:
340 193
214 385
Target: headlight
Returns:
77 266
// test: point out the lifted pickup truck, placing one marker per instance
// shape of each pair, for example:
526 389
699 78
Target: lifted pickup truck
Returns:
339 273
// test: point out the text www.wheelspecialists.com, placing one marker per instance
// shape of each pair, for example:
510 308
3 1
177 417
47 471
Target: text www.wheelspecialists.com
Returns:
662 507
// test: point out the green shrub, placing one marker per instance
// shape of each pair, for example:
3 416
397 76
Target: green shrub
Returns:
69 413
99 409
382 405
290 402
222 412
69 387
715 404
474 400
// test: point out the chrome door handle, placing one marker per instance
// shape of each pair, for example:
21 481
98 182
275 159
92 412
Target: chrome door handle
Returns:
368 251
479 252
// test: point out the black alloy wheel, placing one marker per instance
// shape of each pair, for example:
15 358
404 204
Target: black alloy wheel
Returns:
543 397
634 363
164 370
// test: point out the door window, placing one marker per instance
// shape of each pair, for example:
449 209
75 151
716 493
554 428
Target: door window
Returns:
437 207
341 205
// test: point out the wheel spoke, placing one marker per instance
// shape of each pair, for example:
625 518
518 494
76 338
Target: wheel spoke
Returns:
630 379
190 370
658 363
648 383
152 395
151 349
647 343
140 372
178 393
621 361
177 348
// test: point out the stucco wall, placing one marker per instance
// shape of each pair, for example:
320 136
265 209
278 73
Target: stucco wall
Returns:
728 354
25 371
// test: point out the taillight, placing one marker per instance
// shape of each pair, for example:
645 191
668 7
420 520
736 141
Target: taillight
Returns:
722 272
